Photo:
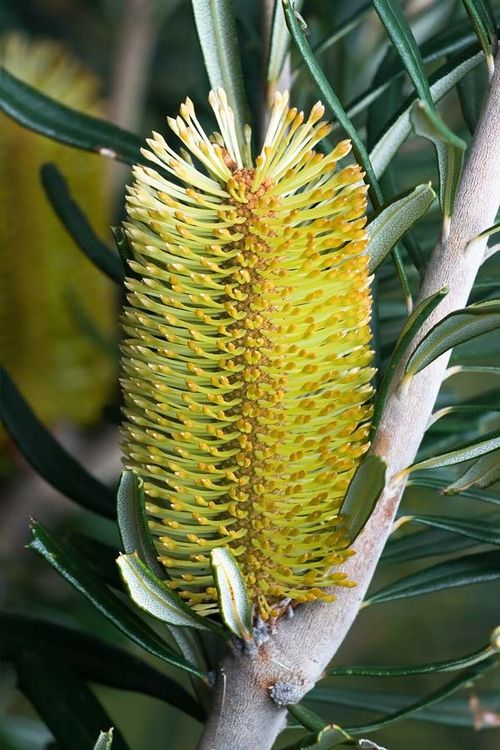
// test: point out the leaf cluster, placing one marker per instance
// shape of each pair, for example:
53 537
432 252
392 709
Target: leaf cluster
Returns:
399 103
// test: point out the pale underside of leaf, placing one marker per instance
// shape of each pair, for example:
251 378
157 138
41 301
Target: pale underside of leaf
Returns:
456 328
216 27
483 473
384 150
387 228
105 740
233 598
154 597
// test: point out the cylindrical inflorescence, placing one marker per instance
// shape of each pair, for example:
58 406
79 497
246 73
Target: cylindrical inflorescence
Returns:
56 309
246 358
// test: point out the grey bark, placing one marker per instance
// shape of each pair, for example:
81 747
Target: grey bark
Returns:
288 664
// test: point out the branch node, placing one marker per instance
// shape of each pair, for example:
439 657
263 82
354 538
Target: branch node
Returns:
286 693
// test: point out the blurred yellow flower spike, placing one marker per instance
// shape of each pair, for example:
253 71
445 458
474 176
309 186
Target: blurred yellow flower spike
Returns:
246 361
51 297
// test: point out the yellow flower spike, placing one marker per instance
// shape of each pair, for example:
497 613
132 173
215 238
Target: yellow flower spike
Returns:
246 360
62 372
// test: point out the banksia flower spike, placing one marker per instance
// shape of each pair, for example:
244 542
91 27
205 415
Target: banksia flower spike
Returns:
246 359
46 281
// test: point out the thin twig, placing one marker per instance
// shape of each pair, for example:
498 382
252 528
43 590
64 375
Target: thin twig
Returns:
135 43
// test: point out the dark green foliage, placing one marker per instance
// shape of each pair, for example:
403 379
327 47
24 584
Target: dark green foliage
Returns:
411 326
448 541
461 571
68 705
47 456
451 665
75 221
339 113
92 659
362 494
37 112
132 522
71 566
429 543
434 707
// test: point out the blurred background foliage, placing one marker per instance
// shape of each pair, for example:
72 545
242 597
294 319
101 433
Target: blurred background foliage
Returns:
57 324
160 46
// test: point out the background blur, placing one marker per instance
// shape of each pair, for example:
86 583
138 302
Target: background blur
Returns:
144 59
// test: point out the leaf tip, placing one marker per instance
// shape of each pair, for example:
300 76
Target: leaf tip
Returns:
495 639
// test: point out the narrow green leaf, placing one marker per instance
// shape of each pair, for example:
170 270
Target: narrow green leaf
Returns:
324 737
345 123
93 660
381 108
440 706
442 443
398 29
462 571
387 228
65 703
77 224
471 92
133 524
490 231
465 679
124 249
335 105
449 153
105 740
72 567
362 494
428 481
435 18
136 537
216 27
391 186
471 410
339 32
483 472
410 329
80 308
369 97
453 40
487 532
475 369
443 81
483 22
306 717
476 448
456 328
154 597
450 665
452 36
414 251
343 29
279 43
429 543
329 737
486 282
234 604
331 99
47 456
99 557
400 33
491 250
38 112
